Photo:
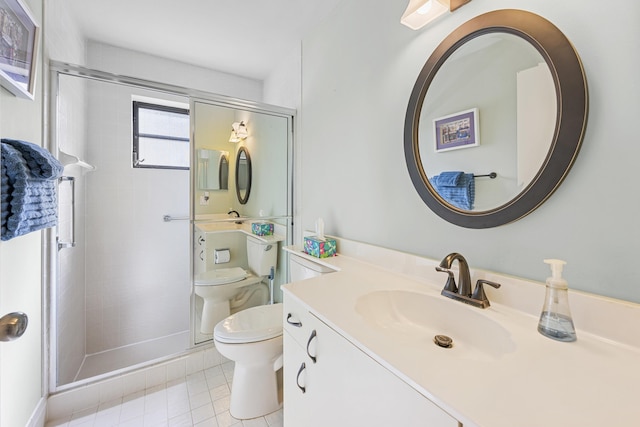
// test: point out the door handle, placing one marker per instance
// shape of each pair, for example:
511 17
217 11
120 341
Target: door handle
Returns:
13 325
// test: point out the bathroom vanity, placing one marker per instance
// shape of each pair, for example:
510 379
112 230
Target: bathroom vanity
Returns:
329 381
359 350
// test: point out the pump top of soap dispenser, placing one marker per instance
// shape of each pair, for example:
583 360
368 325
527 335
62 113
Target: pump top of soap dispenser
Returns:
556 279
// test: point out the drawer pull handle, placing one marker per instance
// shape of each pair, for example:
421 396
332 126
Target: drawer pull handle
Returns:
311 338
302 368
296 324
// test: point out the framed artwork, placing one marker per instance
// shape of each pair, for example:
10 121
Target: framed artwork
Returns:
455 131
19 34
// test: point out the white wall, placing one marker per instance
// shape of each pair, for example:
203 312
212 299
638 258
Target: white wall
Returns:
141 65
284 87
20 271
358 70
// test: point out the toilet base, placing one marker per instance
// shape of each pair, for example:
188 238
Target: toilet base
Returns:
212 313
256 374
254 392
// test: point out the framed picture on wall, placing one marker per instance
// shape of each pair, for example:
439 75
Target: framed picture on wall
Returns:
455 131
19 34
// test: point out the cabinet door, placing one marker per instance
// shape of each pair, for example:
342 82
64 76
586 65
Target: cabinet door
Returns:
297 367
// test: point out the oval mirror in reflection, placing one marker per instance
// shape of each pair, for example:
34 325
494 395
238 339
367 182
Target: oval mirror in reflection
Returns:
496 119
491 108
243 175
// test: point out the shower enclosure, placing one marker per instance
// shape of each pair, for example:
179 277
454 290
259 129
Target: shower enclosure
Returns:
121 261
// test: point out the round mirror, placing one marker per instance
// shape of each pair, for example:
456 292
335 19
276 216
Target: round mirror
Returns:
243 175
495 119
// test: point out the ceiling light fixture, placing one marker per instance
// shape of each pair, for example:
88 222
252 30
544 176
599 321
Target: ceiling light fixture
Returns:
420 12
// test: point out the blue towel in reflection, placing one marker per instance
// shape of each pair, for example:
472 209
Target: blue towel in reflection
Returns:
29 199
457 188
449 179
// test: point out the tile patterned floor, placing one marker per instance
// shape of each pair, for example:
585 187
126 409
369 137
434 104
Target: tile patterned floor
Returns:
200 399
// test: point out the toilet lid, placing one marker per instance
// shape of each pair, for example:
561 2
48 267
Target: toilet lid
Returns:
220 276
251 325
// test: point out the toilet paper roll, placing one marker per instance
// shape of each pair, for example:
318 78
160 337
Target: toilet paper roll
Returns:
221 256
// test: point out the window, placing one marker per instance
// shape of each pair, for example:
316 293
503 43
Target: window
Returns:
160 136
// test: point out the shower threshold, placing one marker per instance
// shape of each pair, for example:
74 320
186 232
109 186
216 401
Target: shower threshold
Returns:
131 355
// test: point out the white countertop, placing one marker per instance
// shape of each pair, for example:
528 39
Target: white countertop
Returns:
590 382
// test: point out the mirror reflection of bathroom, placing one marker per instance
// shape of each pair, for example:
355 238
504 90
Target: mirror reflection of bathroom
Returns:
515 106
238 234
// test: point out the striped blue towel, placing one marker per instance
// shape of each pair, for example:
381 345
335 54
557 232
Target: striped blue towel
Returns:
460 195
29 198
40 162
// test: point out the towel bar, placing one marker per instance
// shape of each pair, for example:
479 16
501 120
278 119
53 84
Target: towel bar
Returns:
491 175
71 243
169 218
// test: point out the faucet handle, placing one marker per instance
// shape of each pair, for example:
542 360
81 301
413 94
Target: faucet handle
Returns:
478 293
451 281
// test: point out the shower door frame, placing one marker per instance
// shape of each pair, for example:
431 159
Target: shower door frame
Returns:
50 244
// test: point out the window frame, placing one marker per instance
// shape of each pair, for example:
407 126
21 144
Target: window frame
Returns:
135 154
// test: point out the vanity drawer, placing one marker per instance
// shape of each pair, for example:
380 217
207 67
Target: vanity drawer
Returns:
298 322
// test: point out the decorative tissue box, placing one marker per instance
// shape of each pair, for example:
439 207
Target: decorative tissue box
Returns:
320 248
262 228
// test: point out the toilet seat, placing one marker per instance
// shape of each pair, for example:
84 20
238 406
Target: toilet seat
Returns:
251 325
220 276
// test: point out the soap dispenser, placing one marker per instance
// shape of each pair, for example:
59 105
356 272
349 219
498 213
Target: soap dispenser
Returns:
555 320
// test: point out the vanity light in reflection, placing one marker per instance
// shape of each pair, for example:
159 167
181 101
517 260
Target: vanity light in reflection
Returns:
420 12
238 132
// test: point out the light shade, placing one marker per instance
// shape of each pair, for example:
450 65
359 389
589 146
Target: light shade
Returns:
420 12
238 132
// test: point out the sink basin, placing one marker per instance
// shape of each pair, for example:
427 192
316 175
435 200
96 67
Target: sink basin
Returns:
417 318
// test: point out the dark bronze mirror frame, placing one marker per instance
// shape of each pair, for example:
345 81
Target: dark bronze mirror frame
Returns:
243 198
572 101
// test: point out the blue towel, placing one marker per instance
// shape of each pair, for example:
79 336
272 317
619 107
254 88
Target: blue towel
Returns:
460 195
29 198
40 162
449 179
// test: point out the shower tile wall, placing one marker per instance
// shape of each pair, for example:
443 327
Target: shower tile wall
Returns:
137 284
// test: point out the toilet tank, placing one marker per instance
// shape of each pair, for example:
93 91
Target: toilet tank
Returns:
261 256
301 268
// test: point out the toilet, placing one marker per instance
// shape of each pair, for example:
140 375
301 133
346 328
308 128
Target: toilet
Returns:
217 287
252 338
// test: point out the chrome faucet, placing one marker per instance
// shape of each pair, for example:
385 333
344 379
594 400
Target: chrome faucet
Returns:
463 293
